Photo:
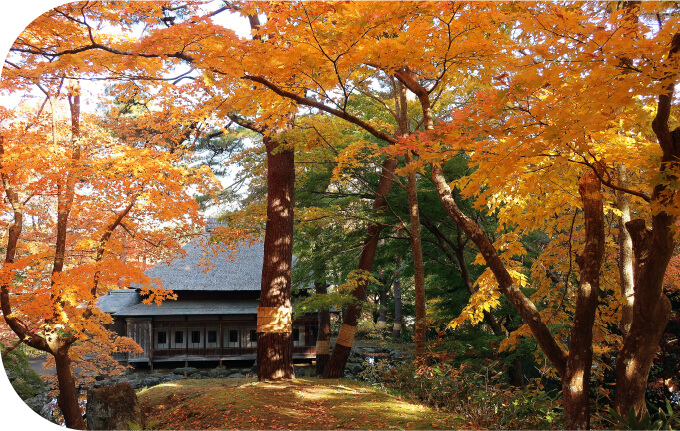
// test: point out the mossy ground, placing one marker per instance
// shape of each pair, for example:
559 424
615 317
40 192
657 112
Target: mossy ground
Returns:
307 403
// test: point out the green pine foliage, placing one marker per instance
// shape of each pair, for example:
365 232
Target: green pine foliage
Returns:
26 382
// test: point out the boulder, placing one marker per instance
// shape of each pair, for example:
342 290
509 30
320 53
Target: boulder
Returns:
151 381
114 407
43 404
136 384
186 371
220 372
102 383
170 377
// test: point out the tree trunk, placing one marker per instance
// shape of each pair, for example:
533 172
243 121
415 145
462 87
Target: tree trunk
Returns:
401 103
519 301
68 394
396 327
324 334
576 380
651 311
382 308
66 193
652 251
515 374
377 299
625 253
343 345
418 266
522 304
274 316
13 235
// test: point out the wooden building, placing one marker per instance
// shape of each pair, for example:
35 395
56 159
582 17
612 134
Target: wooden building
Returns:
214 316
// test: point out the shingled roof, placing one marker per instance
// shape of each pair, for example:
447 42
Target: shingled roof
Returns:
118 299
237 272
241 271
188 307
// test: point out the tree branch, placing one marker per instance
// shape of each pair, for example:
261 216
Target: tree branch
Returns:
314 104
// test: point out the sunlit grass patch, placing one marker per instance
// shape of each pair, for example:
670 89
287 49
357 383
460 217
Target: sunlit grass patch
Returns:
298 404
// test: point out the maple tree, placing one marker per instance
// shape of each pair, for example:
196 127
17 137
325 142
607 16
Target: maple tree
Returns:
274 329
583 134
324 55
77 184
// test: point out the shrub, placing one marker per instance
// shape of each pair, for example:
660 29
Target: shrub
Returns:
368 330
477 394
26 382
666 418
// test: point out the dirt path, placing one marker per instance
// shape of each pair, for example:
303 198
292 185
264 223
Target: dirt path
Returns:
37 365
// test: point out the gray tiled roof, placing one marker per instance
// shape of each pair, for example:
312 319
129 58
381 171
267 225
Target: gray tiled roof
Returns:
240 272
192 307
118 299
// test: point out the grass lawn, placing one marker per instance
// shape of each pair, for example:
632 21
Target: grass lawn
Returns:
299 404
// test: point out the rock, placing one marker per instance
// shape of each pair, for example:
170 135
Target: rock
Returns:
356 369
41 405
236 376
102 383
186 371
400 355
114 407
170 377
220 372
136 384
151 381
196 376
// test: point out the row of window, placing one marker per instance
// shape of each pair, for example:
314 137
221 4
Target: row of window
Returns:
195 336
177 337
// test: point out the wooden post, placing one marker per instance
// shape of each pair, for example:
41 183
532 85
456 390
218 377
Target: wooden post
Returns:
221 342
151 346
